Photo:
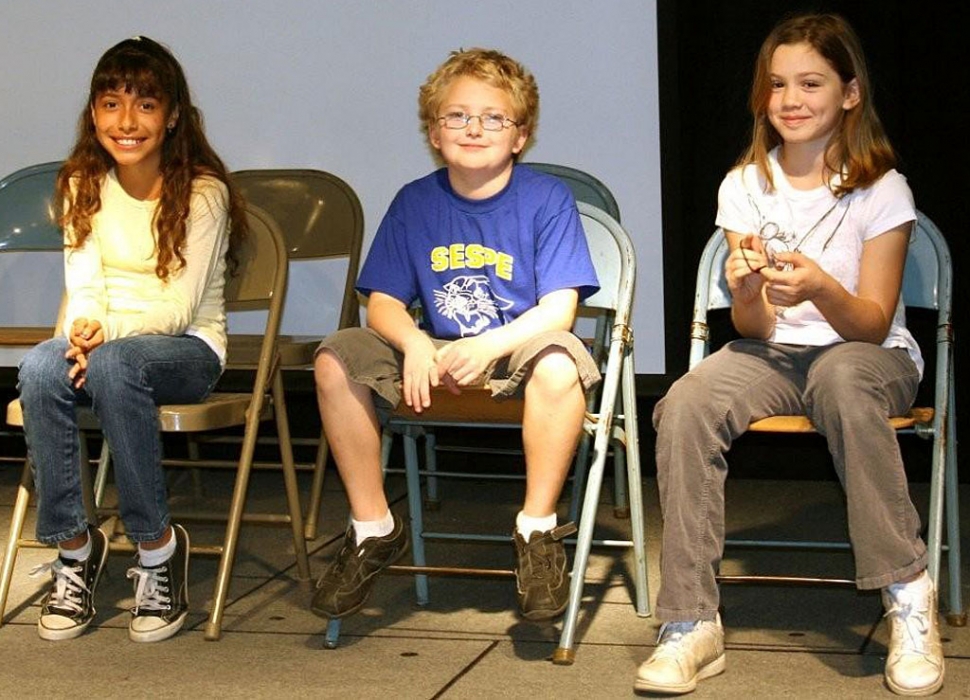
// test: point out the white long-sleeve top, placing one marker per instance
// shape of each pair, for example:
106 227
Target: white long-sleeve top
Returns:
112 279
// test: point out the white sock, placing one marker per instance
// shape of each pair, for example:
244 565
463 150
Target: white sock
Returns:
527 524
150 558
919 586
373 528
80 554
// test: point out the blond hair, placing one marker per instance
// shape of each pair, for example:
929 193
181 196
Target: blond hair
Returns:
491 67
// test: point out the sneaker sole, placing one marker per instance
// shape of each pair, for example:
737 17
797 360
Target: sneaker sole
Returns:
50 634
916 692
320 612
714 668
160 634
59 635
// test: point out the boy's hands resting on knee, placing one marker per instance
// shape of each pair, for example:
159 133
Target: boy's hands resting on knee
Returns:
420 372
463 361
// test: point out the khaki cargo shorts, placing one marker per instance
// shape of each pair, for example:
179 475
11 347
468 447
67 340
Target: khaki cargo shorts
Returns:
372 361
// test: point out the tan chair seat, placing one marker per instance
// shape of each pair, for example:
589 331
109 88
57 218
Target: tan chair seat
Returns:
475 404
801 424
26 336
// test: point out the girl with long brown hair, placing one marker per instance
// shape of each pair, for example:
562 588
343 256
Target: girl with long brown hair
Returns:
149 217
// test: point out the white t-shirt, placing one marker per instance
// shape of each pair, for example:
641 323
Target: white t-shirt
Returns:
112 279
829 230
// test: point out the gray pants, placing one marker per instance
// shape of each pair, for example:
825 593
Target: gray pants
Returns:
848 390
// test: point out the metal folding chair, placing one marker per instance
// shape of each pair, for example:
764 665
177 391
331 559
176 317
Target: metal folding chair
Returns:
321 219
614 259
927 284
260 283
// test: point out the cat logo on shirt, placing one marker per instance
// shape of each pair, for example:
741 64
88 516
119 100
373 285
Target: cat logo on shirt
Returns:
468 301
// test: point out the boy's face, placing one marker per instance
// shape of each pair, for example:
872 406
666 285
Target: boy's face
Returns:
473 151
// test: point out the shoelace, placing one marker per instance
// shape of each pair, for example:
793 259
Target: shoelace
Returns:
913 620
671 638
540 563
151 593
68 585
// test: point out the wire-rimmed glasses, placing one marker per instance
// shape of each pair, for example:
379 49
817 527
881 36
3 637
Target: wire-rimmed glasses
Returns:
773 241
489 122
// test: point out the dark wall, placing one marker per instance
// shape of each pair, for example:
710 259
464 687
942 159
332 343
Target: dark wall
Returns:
921 75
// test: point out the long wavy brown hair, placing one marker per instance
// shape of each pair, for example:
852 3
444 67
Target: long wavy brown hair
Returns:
145 68
859 148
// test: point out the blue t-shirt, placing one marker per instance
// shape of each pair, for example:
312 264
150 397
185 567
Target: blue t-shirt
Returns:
478 264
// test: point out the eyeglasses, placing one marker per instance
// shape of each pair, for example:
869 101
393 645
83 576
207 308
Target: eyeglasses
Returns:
773 241
489 122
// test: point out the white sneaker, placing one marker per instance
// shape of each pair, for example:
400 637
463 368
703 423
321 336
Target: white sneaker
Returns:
914 665
686 653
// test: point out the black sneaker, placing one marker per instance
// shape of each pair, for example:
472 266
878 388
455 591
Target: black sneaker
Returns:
161 594
344 588
68 607
541 581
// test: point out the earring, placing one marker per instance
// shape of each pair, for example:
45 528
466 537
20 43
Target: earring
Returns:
170 127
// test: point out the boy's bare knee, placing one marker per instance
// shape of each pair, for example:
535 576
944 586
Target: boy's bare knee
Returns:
328 371
554 373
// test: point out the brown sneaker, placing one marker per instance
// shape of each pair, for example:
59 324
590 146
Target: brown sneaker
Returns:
344 588
541 580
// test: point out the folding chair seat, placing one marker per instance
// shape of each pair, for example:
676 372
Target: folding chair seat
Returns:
927 284
260 283
614 259
589 189
321 219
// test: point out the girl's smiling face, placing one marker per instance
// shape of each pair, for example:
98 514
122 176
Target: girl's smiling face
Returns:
808 98
131 128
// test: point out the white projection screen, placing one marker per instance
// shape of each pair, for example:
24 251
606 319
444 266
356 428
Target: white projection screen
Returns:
332 84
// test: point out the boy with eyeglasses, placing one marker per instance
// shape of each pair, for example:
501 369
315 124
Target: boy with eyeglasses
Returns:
496 256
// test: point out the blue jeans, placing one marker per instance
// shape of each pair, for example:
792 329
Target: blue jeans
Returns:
126 380
848 390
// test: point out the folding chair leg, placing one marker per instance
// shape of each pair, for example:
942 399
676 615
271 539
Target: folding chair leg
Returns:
564 654
956 616
101 476
631 430
414 504
332 636
621 507
289 478
579 476
432 501
316 489
213 627
13 538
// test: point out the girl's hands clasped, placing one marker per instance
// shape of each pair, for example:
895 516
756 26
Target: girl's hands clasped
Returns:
85 336
796 278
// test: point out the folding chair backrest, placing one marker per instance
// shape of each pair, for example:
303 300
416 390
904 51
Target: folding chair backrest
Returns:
27 226
585 187
614 259
927 280
258 282
319 214
26 221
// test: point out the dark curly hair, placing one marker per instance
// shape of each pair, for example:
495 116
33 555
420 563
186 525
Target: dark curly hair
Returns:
144 67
